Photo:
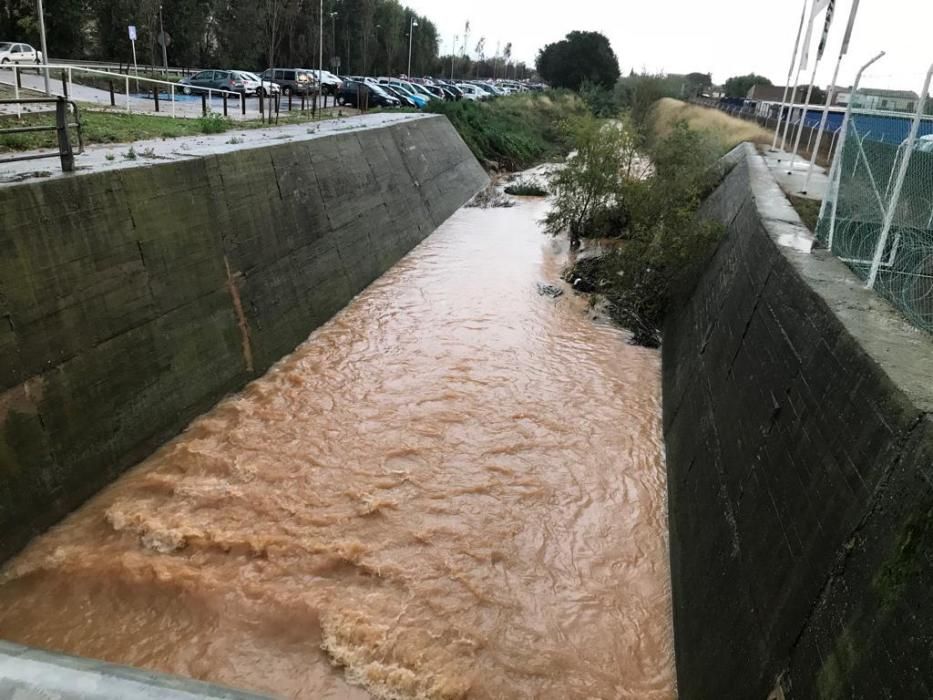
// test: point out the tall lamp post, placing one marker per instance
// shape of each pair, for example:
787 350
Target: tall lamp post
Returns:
45 49
333 37
320 46
163 42
411 36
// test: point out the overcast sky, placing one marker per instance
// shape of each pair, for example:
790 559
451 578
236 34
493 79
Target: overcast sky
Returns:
725 37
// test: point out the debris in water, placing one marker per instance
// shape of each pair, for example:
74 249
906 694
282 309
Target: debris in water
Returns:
549 290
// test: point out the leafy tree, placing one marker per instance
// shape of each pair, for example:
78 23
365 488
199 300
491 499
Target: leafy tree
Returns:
590 185
580 57
696 83
739 85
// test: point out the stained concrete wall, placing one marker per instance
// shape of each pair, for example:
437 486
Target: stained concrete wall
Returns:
797 417
132 300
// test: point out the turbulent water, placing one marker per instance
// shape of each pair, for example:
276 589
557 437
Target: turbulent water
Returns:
455 488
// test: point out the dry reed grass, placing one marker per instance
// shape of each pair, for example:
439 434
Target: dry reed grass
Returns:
727 131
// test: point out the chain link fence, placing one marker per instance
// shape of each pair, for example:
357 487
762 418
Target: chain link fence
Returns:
877 215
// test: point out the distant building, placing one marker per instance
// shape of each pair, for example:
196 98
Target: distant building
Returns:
774 94
881 100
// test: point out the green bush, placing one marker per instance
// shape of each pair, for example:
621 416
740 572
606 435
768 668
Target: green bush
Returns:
665 241
513 132
213 123
589 189
526 188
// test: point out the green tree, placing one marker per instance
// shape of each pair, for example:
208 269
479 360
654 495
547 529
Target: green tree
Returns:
580 57
697 83
739 85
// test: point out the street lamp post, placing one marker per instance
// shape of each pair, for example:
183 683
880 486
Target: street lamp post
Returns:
45 48
333 37
320 65
164 41
411 36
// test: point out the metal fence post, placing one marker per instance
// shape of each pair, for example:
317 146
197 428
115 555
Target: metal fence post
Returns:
899 184
203 105
64 143
64 85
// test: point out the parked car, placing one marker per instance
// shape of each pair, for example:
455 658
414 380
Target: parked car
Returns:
208 80
293 81
11 52
473 93
254 85
330 83
352 93
405 99
406 88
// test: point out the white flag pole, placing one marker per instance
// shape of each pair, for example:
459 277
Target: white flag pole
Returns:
790 74
818 5
804 60
830 94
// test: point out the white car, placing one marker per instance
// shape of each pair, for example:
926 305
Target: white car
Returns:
254 85
18 53
472 93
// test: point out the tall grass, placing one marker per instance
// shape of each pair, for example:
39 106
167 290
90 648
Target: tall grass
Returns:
514 132
725 132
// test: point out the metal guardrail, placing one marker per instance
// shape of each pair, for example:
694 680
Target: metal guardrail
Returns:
125 67
62 125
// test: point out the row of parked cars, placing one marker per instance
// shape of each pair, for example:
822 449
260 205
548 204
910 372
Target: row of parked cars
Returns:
285 81
361 91
353 91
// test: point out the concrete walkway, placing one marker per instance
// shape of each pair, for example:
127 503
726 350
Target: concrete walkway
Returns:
149 152
792 179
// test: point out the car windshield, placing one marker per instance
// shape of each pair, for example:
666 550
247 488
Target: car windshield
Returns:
377 89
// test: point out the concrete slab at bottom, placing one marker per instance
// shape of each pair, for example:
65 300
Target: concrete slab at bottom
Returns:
31 674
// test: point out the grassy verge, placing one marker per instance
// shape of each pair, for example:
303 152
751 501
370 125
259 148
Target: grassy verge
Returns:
723 131
114 127
514 132
808 209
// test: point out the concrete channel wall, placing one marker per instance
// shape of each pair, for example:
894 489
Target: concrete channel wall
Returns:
132 300
797 417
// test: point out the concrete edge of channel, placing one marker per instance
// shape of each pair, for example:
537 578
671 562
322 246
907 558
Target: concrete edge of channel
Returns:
903 352
31 674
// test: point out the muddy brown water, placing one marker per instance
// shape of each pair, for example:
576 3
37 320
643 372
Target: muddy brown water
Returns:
455 488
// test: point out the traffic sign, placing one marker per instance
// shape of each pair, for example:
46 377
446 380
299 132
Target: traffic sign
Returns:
132 32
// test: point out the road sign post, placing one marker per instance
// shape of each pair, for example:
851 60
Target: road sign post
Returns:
132 29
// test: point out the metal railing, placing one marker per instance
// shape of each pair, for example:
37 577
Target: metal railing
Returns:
67 71
65 152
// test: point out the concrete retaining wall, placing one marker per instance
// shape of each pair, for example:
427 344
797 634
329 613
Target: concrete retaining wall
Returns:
797 416
132 300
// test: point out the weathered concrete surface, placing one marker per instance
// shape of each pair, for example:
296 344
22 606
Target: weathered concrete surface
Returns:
148 152
132 300
800 456
30 674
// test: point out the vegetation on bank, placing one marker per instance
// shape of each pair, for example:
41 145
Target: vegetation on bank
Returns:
641 179
517 131
723 131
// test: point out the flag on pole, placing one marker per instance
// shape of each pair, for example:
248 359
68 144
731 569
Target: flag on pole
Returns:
818 7
845 41
830 10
